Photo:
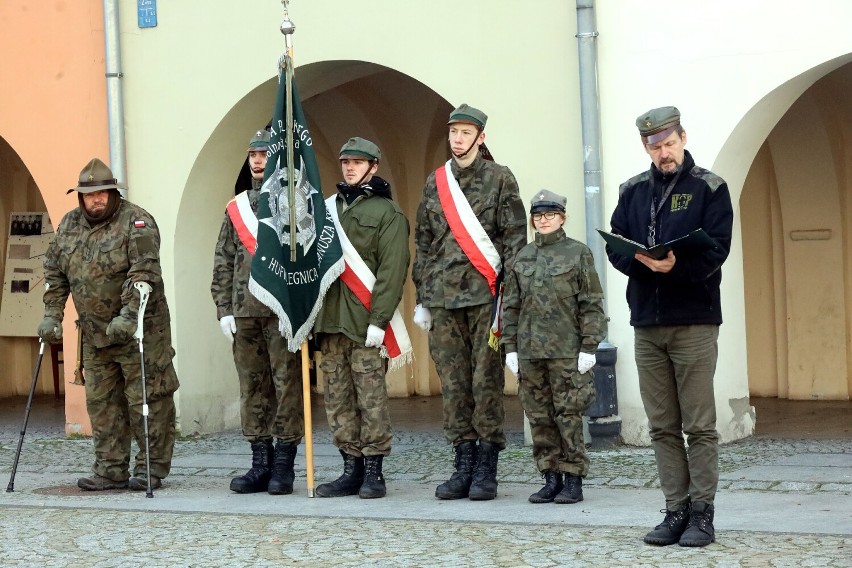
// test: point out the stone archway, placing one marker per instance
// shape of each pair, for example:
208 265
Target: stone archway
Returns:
341 99
796 207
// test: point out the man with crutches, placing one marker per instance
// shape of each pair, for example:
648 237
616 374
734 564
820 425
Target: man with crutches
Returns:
106 256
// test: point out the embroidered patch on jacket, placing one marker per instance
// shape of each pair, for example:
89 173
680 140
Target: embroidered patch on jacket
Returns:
139 224
680 201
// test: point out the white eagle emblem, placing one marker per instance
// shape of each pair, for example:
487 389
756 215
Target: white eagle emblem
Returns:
279 205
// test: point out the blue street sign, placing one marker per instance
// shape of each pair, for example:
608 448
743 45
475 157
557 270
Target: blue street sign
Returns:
147 13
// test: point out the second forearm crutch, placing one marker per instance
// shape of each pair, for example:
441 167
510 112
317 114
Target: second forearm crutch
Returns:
144 291
11 487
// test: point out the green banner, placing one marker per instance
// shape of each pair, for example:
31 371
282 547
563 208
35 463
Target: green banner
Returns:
294 290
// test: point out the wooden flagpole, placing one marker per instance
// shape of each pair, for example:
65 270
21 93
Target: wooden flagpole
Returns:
287 28
309 434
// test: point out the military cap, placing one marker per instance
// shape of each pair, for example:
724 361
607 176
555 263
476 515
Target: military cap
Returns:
359 149
657 124
96 176
260 141
467 114
546 200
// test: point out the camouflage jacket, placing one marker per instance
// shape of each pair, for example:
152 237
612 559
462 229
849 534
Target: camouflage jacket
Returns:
553 302
98 266
378 230
443 275
231 268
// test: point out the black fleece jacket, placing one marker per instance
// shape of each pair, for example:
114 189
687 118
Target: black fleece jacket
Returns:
689 294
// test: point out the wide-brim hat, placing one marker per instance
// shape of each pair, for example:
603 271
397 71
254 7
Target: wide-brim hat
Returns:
96 176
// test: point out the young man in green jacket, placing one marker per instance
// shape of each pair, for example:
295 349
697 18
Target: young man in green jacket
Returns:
357 328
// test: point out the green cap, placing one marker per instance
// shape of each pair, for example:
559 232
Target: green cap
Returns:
467 114
96 176
546 200
360 149
260 141
657 124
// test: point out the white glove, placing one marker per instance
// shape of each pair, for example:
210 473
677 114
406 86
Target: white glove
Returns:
585 361
512 362
375 336
229 327
422 318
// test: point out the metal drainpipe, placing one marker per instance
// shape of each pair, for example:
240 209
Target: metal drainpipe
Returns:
590 115
601 420
115 105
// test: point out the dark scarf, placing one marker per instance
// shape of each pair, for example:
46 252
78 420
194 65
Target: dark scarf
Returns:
376 186
113 201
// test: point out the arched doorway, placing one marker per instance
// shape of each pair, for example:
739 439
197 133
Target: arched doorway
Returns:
24 233
341 99
796 211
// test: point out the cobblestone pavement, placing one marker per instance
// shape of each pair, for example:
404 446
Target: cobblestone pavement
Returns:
103 538
781 503
424 457
76 529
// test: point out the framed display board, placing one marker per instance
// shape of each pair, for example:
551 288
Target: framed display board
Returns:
23 281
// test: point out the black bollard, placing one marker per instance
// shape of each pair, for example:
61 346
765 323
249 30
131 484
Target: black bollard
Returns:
604 421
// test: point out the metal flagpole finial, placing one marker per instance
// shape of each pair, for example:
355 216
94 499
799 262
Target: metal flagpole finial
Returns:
287 26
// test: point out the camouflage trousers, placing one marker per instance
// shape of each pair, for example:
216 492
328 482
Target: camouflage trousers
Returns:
356 396
114 401
270 382
676 366
554 396
471 373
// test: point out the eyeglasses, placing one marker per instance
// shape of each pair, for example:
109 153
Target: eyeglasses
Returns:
549 215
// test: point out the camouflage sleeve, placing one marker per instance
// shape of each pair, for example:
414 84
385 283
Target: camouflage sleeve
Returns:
222 287
143 254
511 313
392 271
512 219
591 317
56 286
423 237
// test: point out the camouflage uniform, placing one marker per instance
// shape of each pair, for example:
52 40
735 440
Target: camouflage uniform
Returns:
356 394
553 309
269 375
460 300
98 265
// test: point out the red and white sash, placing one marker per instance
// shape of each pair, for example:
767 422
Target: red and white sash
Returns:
358 278
244 221
466 228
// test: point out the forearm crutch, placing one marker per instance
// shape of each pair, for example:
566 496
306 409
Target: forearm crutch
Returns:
11 487
144 291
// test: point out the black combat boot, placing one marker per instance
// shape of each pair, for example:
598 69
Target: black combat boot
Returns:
699 531
484 484
552 487
281 481
458 485
347 484
374 482
572 492
670 530
257 478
